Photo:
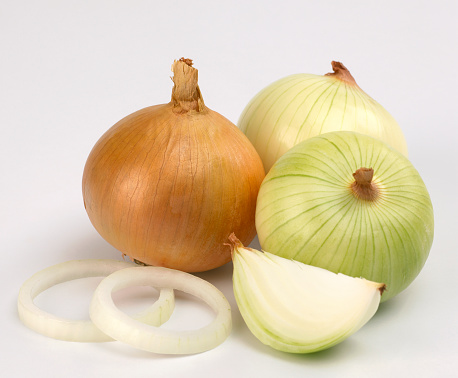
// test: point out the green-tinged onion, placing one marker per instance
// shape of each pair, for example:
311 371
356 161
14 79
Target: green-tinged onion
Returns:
301 106
76 330
121 327
348 203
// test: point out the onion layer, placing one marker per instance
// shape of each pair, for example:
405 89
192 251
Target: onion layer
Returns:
74 330
301 106
299 308
168 184
121 327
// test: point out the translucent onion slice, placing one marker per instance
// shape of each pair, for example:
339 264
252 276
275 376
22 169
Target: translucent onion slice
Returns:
79 330
121 327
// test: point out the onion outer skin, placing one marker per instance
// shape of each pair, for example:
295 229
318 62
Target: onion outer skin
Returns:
79 330
302 106
167 185
306 210
299 308
121 327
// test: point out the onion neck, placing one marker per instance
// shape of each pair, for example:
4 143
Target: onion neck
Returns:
186 94
363 188
341 73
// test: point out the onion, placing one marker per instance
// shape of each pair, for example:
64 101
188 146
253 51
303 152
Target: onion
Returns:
121 327
167 184
301 106
299 308
348 203
78 330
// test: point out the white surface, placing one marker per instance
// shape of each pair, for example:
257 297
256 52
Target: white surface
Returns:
71 69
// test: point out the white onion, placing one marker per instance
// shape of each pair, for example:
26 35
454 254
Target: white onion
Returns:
301 106
75 330
121 327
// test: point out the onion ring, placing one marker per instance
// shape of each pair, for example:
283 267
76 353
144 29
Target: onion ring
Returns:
80 330
121 327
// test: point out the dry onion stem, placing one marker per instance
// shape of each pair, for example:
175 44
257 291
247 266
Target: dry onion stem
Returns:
168 184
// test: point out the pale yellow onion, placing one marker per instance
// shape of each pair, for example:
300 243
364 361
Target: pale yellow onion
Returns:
168 184
301 106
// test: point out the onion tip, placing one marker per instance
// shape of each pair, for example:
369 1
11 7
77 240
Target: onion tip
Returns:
186 95
342 73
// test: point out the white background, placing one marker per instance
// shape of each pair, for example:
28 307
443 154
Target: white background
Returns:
71 69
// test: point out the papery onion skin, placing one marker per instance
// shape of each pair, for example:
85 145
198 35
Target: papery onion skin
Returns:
307 210
302 106
167 184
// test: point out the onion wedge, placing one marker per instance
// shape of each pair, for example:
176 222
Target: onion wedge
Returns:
73 330
121 327
299 308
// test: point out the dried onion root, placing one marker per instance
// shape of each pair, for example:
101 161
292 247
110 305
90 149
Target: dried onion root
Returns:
121 327
73 330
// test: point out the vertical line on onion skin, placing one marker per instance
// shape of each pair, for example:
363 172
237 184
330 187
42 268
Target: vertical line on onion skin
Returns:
316 230
131 219
330 264
299 136
267 126
275 125
375 113
291 84
107 203
299 133
410 247
363 102
370 226
258 100
154 228
352 213
329 108
382 274
392 283
337 148
345 106
336 169
355 255
321 101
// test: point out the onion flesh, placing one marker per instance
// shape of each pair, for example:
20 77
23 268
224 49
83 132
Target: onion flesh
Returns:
77 330
299 308
121 327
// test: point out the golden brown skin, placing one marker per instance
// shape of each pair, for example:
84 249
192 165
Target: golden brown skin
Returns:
167 188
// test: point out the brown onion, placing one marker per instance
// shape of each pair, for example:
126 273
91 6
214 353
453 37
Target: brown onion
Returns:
168 184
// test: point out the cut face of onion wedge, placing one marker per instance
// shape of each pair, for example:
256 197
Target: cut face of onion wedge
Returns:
121 327
299 308
74 330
